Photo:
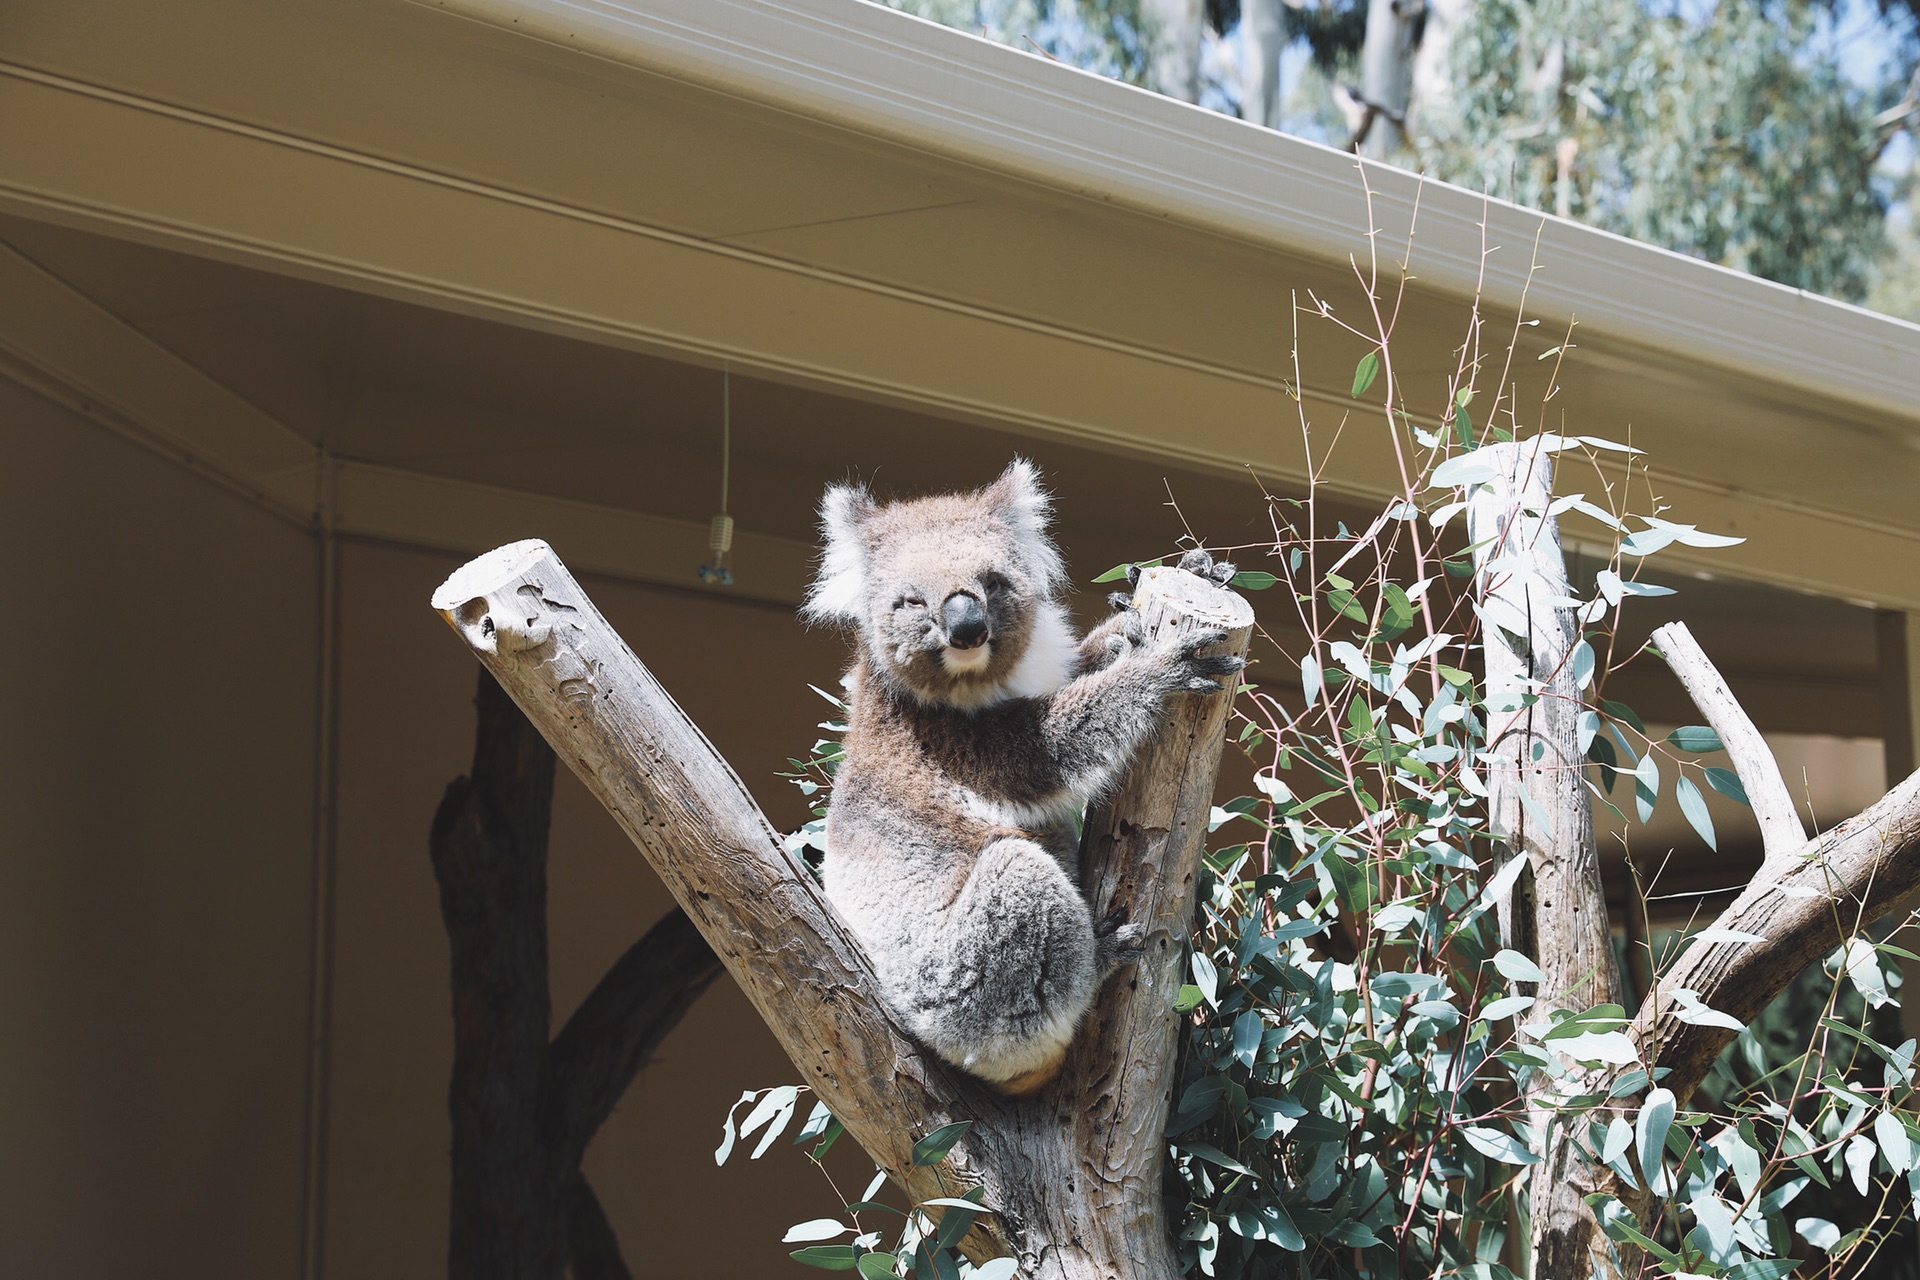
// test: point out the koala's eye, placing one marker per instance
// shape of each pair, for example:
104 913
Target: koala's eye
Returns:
995 584
910 601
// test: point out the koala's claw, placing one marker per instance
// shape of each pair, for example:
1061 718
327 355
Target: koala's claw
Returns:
1208 674
1133 576
1120 601
1117 943
1202 563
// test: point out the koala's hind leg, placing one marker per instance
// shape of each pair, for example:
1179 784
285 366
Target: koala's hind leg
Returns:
1014 971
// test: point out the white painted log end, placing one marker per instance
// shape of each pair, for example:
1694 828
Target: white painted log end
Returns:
1198 602
487 573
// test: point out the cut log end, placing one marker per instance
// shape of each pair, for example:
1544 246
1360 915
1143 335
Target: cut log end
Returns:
1197 602
488 573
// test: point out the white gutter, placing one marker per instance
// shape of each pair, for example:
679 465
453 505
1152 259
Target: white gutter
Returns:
887 74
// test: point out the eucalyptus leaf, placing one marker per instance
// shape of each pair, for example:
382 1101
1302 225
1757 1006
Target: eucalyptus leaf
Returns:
1693 806
1650 1128
1496 1145
1696 739
933 1148
818 1229
828 1257
1365 372
1727 783
1515 967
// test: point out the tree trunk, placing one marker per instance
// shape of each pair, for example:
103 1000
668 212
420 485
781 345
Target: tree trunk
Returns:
1173 38
1263 37
1540 809
1073 1174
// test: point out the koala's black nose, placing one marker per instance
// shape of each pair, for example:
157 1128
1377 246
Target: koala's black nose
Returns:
964 619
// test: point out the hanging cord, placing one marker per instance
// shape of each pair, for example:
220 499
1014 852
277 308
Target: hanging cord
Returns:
720 532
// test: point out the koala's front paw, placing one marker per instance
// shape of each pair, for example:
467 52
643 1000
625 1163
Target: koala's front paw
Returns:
1117 943
1202 564
1208 674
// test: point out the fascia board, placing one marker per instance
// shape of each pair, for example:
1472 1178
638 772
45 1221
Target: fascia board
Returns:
875 71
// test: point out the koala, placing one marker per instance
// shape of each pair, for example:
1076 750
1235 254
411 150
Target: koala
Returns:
980 726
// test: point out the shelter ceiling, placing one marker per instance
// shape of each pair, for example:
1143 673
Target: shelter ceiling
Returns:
431 392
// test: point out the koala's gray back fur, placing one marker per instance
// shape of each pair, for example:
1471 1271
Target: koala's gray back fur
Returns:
979 727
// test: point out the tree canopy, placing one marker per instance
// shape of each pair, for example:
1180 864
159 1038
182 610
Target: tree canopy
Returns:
1776 137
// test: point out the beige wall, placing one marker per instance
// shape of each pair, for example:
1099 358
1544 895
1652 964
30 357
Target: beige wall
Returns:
156 765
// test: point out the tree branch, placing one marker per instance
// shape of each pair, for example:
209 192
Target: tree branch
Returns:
523 1112
1781 830
1802 904
489 848
1539 807
593 1249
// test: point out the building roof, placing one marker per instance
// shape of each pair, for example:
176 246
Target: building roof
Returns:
836 197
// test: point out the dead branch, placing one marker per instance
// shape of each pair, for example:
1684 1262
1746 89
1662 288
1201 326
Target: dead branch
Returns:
1802 904
1780 827
1071 1198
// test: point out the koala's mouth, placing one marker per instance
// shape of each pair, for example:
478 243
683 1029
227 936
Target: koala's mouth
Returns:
966 661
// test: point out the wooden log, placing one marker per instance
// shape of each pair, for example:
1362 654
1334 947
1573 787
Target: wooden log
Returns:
1539 807
1073 1198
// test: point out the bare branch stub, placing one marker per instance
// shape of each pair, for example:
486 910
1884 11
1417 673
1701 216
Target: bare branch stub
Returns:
1781 830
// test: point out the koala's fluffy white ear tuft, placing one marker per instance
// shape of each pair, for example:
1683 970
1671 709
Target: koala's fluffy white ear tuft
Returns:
1020 500
837 592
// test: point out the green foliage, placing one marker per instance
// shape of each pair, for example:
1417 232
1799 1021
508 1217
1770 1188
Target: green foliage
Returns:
926 1241
1732 136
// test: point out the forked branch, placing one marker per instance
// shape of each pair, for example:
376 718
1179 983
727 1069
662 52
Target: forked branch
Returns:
1809 896
1073 1174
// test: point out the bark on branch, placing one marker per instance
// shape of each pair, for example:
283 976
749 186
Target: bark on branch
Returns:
1073 1172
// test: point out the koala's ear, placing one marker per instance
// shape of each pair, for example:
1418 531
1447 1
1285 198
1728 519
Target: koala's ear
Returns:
837 592
1019 500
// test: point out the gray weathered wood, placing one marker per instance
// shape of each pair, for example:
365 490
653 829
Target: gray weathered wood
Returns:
1540 808
1802 903
1074 1171
1781 830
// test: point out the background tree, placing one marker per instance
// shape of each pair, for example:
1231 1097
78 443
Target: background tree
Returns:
1771 136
